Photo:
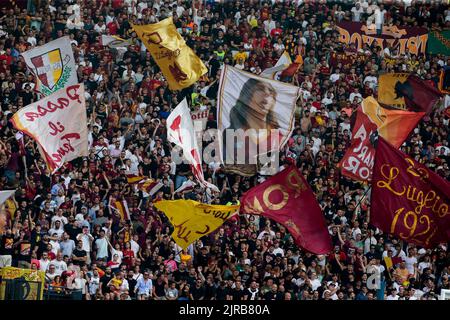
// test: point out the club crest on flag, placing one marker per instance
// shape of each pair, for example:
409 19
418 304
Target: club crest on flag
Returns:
48 67
53 65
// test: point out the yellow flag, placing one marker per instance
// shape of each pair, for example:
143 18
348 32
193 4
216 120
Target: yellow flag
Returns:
387 92
192 220
179 64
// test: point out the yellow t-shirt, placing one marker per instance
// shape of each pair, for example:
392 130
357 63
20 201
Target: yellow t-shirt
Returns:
253 22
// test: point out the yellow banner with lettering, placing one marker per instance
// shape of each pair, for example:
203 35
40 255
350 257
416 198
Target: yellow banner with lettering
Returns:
179 64
21 284
192 220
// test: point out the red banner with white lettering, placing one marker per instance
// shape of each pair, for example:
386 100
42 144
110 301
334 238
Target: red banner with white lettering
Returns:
287 199
372 120
357 162
409 200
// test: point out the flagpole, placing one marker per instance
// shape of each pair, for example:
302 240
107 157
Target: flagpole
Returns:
363 197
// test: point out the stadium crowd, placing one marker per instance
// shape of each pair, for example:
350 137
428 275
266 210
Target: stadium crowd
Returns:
63 225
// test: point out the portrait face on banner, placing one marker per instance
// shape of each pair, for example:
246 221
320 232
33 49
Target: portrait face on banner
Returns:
255 116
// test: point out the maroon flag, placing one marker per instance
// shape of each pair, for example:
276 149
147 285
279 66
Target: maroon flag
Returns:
409 200
287 199
419 95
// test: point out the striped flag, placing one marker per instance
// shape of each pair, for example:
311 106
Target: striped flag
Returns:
145 184
186 186
150 186
121 207
132 178
282 64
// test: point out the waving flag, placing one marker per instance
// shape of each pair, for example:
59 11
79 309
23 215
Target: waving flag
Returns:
50 122
188 185
408 200
53 65
192 220
287 199
407 91
150 186
180 131
372 120
179 64
283 63
121 207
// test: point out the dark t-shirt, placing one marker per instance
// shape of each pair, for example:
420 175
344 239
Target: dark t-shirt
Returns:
237 294
197 293
79 253
25 251
104 283
159 289
6 245
180 275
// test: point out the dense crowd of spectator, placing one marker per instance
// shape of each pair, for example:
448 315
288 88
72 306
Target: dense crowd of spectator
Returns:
63 224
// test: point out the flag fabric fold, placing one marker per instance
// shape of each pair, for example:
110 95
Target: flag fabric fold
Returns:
180 131
408 200
179 64
439 42
50 122
408 92
192 220
287 199
121 207
444 80
373 120
53 65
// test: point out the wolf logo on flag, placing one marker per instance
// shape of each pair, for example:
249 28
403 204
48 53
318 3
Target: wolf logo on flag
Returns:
48 67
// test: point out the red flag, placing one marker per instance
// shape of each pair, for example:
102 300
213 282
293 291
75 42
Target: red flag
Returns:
357 162
372 119
419 95
287 199
409 200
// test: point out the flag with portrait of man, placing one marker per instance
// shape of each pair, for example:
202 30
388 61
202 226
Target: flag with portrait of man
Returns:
255 118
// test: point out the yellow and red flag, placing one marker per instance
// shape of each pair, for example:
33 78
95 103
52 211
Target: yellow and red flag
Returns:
372 120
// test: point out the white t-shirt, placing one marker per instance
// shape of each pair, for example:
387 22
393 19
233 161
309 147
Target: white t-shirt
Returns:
357 14
43 264
315 284
60 266
334 77
135 247
102 248
410 261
